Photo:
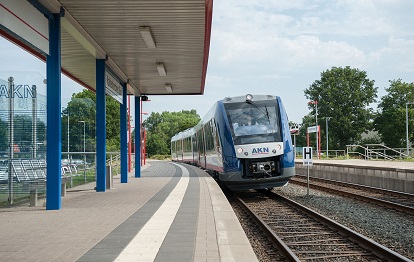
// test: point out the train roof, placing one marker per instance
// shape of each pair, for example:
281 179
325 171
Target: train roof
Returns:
244 98
183 134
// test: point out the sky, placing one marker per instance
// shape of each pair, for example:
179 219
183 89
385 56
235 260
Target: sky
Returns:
280 48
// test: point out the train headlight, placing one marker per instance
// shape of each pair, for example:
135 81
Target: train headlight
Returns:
249 97
274 151
239 150
279 147
245 153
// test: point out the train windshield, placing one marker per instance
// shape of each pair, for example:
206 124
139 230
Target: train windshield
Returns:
254 122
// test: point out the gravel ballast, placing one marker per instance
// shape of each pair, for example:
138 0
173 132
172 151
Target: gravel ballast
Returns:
392 229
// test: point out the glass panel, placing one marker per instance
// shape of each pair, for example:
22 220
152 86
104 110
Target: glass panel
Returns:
22 134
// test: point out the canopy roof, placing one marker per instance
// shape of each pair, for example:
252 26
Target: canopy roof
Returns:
108 29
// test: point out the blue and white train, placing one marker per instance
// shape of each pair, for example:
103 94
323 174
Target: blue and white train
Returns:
244 142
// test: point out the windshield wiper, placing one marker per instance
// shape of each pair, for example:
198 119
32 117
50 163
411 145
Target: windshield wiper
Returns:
266 113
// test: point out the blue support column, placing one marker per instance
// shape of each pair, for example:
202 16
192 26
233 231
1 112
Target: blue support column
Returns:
124 134
54 127
137 137
100 126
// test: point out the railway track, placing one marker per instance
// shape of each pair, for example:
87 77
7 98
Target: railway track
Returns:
300 234
403 202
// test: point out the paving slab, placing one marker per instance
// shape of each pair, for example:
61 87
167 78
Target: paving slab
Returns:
98 226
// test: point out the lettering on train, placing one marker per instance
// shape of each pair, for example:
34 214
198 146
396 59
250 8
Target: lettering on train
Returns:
260 150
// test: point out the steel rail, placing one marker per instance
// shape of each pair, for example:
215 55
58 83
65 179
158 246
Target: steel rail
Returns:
388 191
389 204
365 242
287 252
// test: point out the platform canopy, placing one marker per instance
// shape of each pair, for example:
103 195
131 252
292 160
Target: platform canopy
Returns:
158 47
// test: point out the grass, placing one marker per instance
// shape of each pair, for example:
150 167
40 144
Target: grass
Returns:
160 157
20 194
81 179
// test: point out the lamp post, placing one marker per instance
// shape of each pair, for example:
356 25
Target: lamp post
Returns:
84 150
145 99
142 138
67 109
327 140
406 125
317 130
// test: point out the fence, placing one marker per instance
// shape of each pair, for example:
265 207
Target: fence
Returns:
29 174
377 151
322 153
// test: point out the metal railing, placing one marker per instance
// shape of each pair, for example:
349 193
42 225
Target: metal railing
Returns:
375 151
82 166
385 150
351 149
331 153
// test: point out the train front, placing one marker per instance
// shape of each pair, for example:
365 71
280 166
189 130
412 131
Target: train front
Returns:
263 154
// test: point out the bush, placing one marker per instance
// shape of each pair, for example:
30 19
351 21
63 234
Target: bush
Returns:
160 157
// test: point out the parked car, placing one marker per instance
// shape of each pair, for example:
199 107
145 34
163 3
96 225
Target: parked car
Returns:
77 161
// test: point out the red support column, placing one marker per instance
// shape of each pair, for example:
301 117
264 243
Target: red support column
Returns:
145 145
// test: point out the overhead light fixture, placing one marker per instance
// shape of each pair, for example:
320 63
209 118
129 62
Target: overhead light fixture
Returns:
147 36
161 69
168 87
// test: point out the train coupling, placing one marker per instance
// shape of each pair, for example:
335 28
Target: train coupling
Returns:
264 167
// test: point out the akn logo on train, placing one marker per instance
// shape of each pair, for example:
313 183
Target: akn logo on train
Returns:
260 151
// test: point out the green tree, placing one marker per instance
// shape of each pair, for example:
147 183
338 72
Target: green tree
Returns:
307 121
390 120
161 127
23 132
82 107
345 94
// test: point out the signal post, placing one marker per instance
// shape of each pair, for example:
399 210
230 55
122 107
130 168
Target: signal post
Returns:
307 161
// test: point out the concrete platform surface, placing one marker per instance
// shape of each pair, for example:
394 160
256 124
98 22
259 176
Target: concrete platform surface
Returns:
174 212
365 163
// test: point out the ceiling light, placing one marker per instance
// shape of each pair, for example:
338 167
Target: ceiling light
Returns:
147 36
161 69
168 87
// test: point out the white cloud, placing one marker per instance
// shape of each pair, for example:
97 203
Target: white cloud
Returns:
398 53
273 45
281 47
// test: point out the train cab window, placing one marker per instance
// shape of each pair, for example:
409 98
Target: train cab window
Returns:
254 122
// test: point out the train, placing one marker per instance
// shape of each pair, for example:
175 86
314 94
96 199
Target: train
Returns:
244 142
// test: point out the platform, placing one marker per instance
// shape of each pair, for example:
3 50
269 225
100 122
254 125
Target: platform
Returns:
365 163
391 175
174 212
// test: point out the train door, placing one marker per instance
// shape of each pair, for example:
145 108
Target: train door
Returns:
210 150
173 151
202 146
182 150
179 150
193 147
217 145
